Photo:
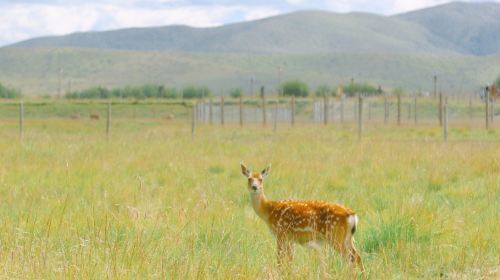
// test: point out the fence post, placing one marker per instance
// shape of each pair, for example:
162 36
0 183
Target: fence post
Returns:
386 109
369 110
492 111
342 98
440 111
486 109
275 116
193 119
241 110
445 120
355 107
360 116
293 110
222 110
325 110
21 119
108 119
210 112
415 116
264 116
202 111
399 109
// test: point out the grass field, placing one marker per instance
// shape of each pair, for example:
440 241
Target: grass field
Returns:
151 202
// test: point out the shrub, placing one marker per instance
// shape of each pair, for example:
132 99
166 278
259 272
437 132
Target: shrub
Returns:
296 88
9 93
236 92
362 88
190 92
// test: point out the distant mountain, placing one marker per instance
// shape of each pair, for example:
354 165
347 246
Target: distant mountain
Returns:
470 28
460 42
300 32
457 27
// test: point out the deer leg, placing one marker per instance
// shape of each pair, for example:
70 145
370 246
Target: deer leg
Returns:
354 256
285 251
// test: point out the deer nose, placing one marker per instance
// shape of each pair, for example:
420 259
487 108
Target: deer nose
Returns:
254 187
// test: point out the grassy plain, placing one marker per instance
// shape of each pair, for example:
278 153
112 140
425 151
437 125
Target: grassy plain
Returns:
151 202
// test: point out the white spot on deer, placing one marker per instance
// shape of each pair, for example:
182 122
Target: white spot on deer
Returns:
305 229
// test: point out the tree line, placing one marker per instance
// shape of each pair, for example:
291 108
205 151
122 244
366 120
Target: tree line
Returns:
288 88
141 92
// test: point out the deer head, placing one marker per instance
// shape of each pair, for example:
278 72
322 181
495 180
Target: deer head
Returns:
255 179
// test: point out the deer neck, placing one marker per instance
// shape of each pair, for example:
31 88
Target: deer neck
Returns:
260 203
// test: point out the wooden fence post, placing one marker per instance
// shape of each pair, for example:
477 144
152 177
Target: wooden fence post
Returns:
202 111
108 119
360 116
492 111
399 109
445 120
264 116
355 107
440 109
222 110
193 119
415 115
486 109
325 110
241 110
293 110
386 109
21 119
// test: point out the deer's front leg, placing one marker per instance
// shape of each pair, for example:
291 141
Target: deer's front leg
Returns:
285 250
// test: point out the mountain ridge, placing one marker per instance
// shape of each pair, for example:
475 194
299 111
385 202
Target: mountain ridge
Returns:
313 31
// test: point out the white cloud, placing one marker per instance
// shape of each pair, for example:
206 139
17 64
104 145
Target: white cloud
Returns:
385 7
23 21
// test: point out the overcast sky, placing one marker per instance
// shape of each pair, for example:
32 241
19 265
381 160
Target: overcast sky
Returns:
21 20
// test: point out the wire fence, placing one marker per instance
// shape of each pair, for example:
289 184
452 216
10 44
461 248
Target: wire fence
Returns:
400 110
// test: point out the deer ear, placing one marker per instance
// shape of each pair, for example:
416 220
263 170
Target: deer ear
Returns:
265 172
244 170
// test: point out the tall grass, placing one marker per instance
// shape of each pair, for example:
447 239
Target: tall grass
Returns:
151 203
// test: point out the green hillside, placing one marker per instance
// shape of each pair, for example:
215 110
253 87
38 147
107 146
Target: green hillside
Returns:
300 32
469 28
472 28
36 71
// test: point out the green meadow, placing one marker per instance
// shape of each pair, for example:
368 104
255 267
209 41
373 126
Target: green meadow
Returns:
152 201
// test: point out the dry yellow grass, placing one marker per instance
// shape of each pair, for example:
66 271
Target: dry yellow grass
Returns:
150 202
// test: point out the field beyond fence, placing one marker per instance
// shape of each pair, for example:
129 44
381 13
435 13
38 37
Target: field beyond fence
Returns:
365 113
